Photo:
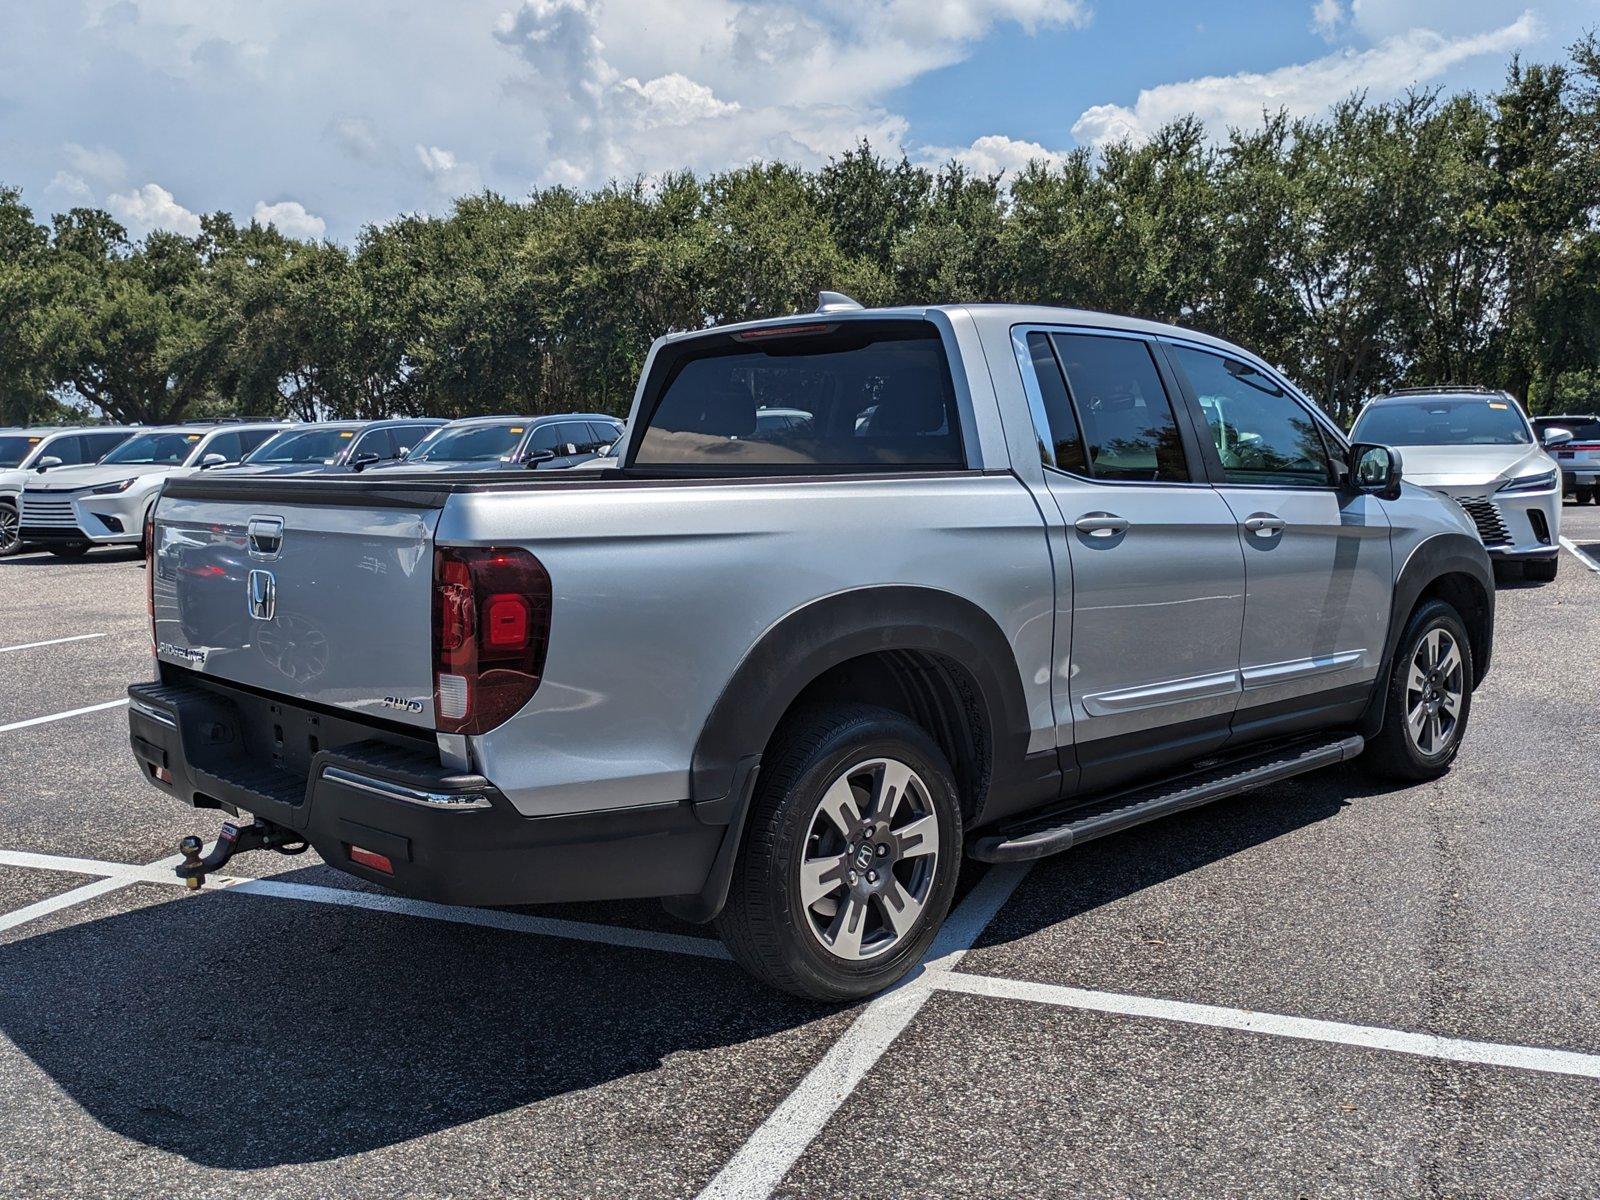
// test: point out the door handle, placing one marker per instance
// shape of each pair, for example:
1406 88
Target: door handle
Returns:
1101 524
1264 524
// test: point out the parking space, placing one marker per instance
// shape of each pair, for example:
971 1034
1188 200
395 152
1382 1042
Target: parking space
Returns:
1248 997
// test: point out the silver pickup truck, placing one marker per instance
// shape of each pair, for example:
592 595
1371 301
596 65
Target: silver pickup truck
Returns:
1003 580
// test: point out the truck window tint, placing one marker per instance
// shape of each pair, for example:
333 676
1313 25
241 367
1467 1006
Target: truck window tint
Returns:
1128 425
857 395
249 439
1261 433
1061 445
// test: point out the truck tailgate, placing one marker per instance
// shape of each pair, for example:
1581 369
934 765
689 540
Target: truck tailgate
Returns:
299 591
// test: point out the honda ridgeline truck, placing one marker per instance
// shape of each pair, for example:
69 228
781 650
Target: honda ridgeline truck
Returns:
1004 580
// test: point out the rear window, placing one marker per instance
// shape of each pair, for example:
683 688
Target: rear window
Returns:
1442 421
1582 431
869 395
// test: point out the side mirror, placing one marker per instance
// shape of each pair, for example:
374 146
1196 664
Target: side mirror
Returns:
405 452
1556 436
213 460
1376 470
48 461
363 460
534 457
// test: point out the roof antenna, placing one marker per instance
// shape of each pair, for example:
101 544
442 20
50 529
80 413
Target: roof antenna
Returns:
828 302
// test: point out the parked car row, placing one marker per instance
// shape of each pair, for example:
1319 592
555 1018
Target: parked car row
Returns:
71 488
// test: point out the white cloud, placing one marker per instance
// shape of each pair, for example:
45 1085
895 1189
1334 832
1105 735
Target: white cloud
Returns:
994 154
1326 17
152 207
448 174
73 188
356 137
1223 101
291 219
763 81
100 164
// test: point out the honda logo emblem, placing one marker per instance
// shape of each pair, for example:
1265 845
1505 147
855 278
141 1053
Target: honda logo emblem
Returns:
265 536
263 595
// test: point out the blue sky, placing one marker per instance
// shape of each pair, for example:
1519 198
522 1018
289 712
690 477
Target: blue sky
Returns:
323 115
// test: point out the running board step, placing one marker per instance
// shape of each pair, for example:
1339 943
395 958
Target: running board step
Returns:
1055 831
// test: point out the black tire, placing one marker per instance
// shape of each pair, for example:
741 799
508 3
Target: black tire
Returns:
1582 495
765 925
68 549
1394 753
10 530
1542 570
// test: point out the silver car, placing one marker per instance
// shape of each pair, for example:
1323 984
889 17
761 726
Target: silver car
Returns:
1477 447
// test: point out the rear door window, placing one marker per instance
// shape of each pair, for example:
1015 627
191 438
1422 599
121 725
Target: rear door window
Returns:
1129 430
868 395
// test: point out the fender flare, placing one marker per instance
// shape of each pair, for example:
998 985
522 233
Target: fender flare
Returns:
1433 558
798 648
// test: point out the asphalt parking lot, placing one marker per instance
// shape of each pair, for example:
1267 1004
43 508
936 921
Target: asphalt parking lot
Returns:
1331 987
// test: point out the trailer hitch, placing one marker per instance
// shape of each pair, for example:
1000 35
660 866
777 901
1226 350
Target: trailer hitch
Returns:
234 839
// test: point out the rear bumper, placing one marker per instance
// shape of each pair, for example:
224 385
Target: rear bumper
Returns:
451 837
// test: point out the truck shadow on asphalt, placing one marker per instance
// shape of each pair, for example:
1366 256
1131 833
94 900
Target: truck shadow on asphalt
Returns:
244 1032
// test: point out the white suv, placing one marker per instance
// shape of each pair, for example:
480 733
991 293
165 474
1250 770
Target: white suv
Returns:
33 451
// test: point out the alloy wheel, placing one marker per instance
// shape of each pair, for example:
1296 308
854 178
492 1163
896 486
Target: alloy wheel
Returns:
10 528
1435 686
868 862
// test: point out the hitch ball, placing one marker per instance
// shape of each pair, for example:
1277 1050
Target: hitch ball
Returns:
190 848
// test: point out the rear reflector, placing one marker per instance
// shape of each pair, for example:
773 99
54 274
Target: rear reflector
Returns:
452 703
161 773
370 859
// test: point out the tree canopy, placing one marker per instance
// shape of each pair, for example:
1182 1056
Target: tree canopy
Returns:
1421 241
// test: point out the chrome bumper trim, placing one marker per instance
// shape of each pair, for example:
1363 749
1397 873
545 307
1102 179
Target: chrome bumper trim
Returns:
448 801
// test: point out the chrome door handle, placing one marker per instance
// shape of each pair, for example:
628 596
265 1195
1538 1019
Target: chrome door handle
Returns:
1101 524
1264 524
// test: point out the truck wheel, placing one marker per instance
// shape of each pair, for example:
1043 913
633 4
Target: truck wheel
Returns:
1541 569
850 857
69 549
10 530
1430 697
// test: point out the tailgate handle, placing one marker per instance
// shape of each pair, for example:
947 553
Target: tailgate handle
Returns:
265 535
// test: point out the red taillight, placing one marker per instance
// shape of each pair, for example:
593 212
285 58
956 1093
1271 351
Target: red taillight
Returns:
491 629
505 622
150 572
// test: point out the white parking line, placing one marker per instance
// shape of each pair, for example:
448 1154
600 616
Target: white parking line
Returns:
77 895
1580 555
766 1156
62 716
1426 1045
581 931
77 637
